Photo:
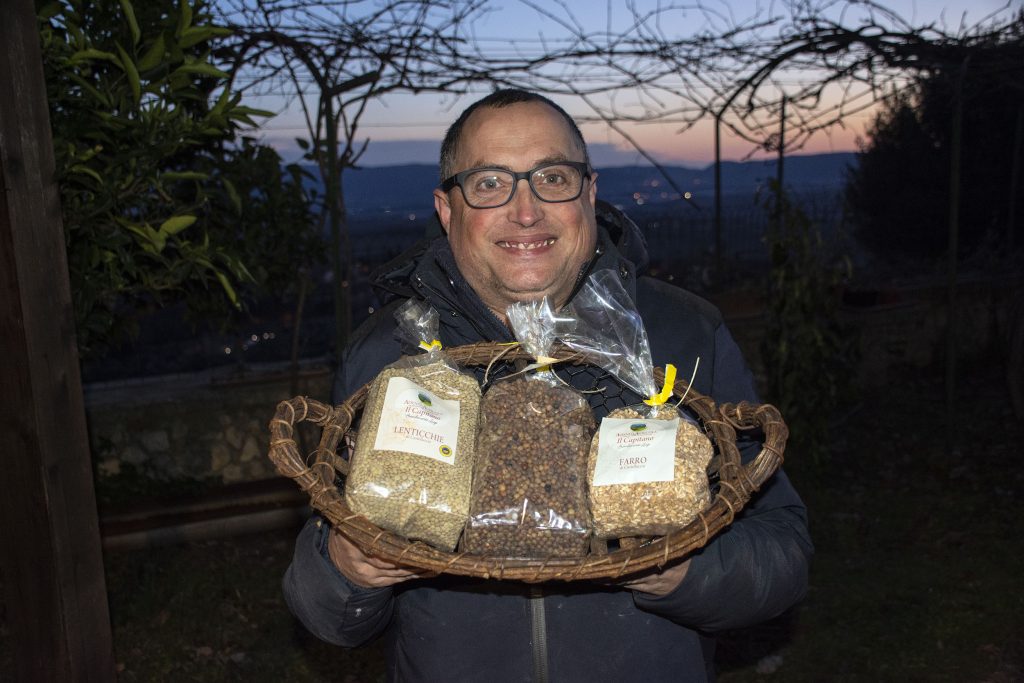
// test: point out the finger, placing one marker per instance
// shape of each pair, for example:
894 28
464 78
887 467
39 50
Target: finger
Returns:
391 570
379 577
378 562
390 573
640 584
384 581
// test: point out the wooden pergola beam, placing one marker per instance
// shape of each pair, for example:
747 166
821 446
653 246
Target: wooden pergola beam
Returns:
50 554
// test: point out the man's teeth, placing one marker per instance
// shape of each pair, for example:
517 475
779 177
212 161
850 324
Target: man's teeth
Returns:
526 246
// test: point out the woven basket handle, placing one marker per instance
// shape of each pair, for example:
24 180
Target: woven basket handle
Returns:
745 416
317 478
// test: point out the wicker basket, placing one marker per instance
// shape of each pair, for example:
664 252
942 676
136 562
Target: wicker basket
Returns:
734 484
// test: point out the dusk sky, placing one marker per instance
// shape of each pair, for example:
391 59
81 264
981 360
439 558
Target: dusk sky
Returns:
407 128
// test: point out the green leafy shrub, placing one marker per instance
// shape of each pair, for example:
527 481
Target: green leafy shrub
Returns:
143 124
809 355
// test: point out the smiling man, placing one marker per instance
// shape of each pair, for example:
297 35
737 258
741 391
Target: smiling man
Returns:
518 207
516 240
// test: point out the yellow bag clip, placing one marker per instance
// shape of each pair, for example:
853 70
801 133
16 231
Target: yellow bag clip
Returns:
666 390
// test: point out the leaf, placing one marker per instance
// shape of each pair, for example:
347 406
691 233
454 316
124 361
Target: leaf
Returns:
133 24
250 111
92 53
80 168
186 16
49 11
198 34
154 55
246 120
184 175
154 241
236 201
201 68
133 75
174 225
228 289
242 273
222 102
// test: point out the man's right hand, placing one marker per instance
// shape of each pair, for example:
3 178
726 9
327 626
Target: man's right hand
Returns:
362 569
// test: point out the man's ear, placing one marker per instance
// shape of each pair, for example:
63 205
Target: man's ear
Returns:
592 191
444 209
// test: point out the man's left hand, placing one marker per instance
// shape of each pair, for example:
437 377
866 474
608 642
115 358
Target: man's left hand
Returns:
659 582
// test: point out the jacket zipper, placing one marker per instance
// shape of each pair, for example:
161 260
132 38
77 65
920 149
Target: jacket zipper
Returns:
421 287
540 638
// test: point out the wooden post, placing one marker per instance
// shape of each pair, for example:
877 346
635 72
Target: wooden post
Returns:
955 150
718 198
780 166
50 554
1015 171
781 201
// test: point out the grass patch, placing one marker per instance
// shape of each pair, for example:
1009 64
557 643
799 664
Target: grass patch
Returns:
916 566
213 611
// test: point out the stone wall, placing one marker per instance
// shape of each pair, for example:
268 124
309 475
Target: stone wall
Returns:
199 426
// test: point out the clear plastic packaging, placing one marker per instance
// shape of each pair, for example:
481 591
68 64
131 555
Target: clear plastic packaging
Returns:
412 466
529 489
647 466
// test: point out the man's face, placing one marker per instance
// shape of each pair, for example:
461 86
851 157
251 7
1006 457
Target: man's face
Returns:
527 248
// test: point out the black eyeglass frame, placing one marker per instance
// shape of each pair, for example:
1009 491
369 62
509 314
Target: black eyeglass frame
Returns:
456 180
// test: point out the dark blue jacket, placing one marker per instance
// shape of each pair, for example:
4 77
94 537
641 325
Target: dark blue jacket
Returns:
459 629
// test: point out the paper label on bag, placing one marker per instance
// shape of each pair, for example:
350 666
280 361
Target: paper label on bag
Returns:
634 451
415 420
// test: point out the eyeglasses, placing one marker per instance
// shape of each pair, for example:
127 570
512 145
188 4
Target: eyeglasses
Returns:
489 188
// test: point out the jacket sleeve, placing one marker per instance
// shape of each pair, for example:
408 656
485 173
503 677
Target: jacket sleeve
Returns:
329 605
758 567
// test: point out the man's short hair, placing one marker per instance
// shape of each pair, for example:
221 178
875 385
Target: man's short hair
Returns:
498 99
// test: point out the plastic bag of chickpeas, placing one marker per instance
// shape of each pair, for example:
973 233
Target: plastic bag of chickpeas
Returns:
529 489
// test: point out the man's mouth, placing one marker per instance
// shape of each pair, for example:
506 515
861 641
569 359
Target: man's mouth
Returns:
527 246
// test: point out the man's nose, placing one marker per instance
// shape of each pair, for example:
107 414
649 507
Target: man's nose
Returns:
526 207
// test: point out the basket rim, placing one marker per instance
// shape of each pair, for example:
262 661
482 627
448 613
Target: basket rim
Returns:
737 482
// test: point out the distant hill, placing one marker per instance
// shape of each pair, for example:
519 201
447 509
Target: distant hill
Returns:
407 188
810 173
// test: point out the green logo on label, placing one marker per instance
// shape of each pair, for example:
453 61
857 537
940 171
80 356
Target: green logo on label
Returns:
424 399
446 451
638 426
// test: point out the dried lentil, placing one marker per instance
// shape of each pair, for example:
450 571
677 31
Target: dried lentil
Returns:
412 495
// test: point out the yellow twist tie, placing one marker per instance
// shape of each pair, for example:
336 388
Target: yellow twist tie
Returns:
666 390
426 347
543 363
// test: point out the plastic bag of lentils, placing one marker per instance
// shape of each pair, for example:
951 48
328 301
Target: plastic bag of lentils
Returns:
412 466
529 489
647 466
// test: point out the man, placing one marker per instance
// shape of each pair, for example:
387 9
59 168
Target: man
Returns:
518 206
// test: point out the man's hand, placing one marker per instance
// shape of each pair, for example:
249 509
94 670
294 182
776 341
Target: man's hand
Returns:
362 569
657 582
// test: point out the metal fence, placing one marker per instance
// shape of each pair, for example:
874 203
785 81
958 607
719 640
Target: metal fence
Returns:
688 238
679 238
